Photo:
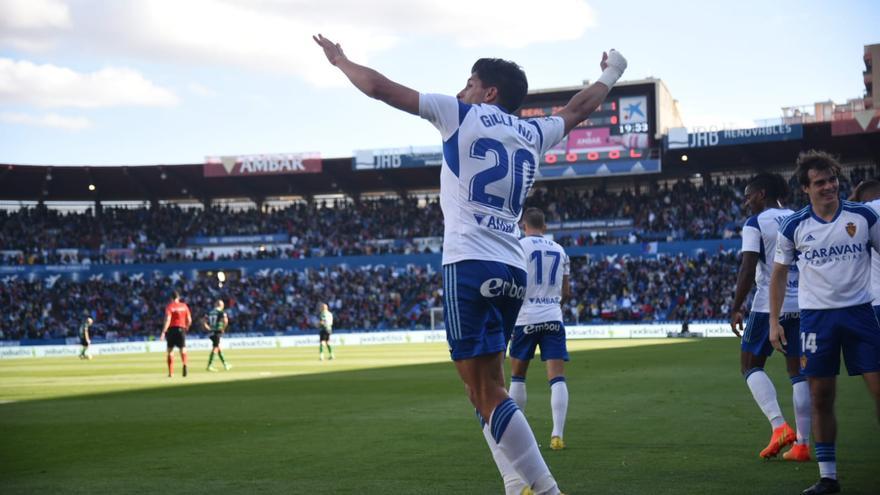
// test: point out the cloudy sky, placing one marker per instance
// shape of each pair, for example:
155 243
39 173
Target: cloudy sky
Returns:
172 81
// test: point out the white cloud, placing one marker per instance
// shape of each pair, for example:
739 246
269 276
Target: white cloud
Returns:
33 14
32 25
47 85
274 35
201 90
47 120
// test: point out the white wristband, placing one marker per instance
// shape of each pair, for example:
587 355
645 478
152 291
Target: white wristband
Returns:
610 76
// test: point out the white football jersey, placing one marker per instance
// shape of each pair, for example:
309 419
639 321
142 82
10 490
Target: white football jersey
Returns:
759 236
875 261
547 264
833 257
490 160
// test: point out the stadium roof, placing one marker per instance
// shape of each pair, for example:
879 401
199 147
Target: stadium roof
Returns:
178 182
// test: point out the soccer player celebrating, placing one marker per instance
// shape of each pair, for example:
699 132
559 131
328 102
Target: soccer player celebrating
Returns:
540 321
490 160
763 196
830 240
216 322
325 318
84 339
177 322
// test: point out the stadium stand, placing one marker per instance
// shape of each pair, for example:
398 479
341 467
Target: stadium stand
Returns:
363 232
367 298
682 210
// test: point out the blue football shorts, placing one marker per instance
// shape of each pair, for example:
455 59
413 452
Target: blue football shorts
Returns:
825 332
481 300
549 335
756 337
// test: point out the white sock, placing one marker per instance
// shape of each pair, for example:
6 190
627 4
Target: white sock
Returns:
558 404
513 484
802 415
827 458
765 395
518 391
515 439
828 470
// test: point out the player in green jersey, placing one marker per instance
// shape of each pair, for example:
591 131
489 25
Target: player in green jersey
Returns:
84 339
216 322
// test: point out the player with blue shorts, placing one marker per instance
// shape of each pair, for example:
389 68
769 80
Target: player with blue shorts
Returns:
490 160
539 323
830 240
763 197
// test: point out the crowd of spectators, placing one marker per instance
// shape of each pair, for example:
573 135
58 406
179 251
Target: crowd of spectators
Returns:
682 210
370 298
652 289
119 235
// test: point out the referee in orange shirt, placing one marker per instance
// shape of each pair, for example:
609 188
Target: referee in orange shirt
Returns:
177 321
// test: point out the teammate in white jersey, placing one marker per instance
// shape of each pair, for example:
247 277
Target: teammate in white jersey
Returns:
868 192
540 321
490 157
831 241
763 196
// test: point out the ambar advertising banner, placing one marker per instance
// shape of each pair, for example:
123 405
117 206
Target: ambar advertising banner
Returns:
269 164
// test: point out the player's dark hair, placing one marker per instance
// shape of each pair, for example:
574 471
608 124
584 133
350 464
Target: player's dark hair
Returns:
507 77
774 186
866 189
175 294
819 161
534 218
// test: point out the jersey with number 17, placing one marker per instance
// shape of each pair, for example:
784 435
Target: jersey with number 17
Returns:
548 267
490 161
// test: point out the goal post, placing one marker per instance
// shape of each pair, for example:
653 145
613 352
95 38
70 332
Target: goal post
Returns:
437 318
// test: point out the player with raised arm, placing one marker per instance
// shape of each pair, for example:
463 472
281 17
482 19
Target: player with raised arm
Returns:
84 339
177 322
216 322
325 321
830 240
763 196
490 159
539 322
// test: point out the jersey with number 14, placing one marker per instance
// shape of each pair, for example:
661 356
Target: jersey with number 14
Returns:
548 264
490 161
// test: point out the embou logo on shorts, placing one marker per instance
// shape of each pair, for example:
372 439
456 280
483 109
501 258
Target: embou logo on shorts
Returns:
545 327
495 287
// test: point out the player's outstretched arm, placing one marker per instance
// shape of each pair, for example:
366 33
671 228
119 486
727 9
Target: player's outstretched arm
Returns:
778 278
588 99
744 280
369 81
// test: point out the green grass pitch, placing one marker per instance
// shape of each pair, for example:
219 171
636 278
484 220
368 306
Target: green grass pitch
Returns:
645 417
